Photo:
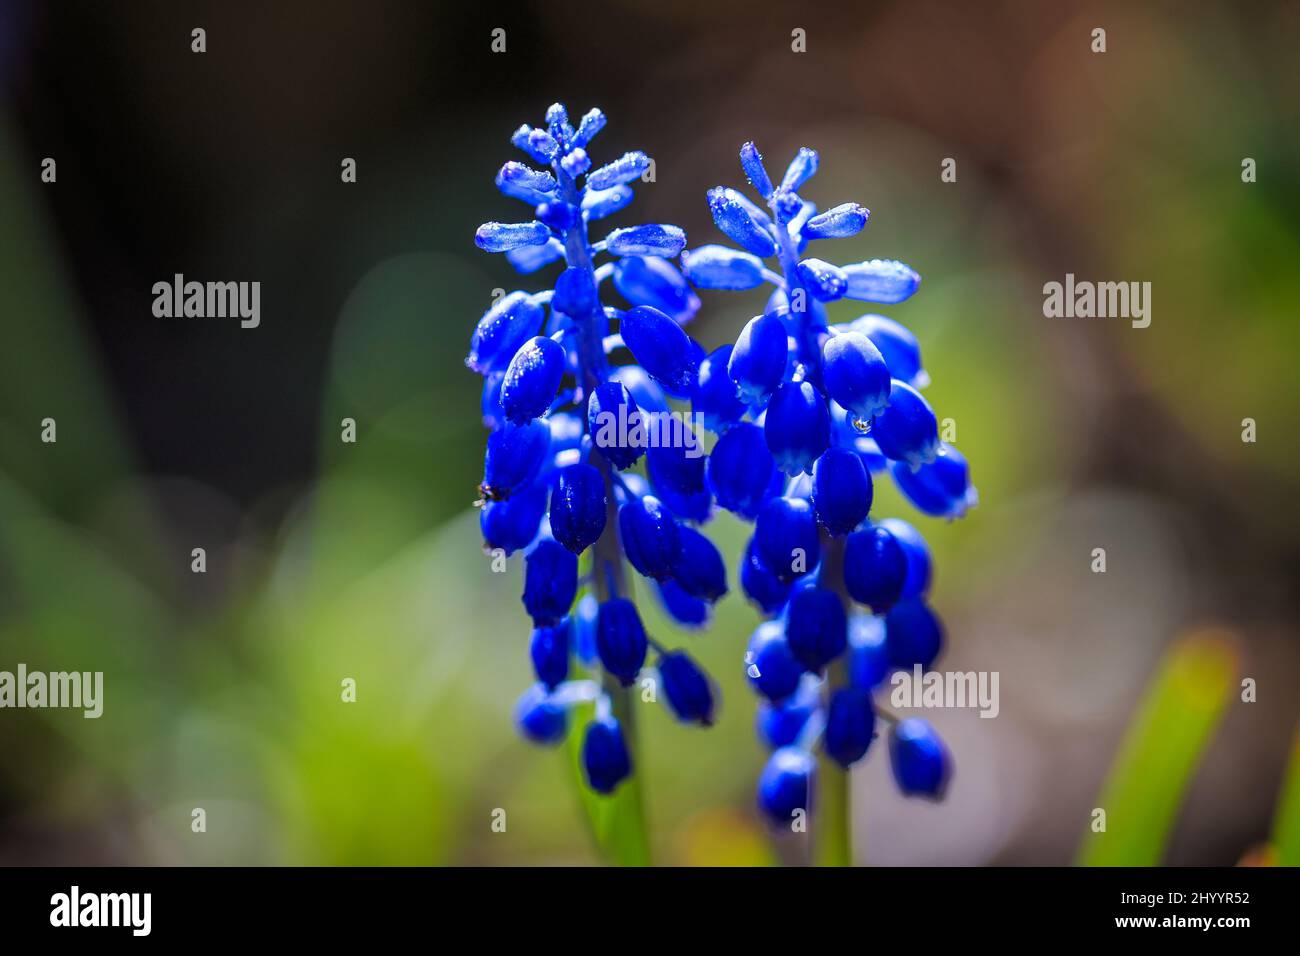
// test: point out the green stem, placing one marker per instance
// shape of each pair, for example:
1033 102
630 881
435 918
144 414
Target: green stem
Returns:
832 836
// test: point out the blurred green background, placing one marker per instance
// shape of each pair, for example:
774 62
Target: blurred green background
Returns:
329 561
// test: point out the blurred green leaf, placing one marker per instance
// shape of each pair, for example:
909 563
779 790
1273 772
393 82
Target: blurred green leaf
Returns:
1286 824
1162 748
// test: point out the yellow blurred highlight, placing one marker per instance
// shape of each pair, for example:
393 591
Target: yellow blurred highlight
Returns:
721 836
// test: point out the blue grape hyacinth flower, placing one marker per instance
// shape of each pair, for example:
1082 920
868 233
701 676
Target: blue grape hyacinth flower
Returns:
808 411
568 424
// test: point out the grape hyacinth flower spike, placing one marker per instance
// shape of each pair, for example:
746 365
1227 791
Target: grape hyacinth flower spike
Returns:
568 426
813 410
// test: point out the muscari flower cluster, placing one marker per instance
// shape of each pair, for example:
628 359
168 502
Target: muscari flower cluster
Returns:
567 429
809 411
791 403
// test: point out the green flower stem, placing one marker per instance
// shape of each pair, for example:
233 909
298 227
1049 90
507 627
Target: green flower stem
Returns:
832 835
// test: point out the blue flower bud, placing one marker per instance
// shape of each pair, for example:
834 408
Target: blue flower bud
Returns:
575 293
919 759
514 455
651 239
685 609
898 346
592 122
532 379
875 568
504 236
855 374
942 488
523 182
841 222
699 570
626 168
645 391
770 664
650 537
557 122
751 161
758 360
549 649
740 470
575 162
538 719
502 329
686 688
788 206
785 784
738 223
785 538
816 626
760 585
825 281
550 581
559 216
918 555
868 659
841 490
660 346
881 280
717 267
600 203
522 139
797 427
605 758
653 281
542 143
715 395
850 726
620 639
578 506
679 481
907 430
801 169
528 259
780 724
517 191
913 634
494 416
612 417
511 525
